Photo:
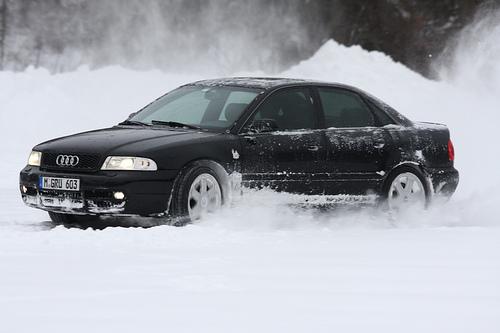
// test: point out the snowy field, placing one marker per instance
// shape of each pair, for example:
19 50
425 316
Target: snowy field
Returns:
261 266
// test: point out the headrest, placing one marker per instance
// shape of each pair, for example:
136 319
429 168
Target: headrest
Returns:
233 111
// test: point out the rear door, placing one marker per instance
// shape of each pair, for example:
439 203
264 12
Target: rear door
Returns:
357 144
289 153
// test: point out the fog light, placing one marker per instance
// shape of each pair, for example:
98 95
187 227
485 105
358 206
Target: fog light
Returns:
24 189
119 195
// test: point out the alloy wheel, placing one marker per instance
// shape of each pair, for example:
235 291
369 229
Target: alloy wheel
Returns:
406 191
205 196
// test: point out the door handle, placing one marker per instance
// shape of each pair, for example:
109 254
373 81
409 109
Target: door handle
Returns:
379 141
313 148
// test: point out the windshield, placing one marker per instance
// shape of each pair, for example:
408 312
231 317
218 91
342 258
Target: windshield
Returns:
198 106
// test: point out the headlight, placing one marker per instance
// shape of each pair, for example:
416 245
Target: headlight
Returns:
129 163
35 158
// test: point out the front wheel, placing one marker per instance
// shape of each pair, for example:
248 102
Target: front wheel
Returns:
205 196
406 188
199 189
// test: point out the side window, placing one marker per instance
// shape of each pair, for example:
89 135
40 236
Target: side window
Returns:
288 109
344 109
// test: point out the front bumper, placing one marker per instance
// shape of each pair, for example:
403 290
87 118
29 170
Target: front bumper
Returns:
146 193
444 181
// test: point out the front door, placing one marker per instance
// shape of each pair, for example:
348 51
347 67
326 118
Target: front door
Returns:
282 145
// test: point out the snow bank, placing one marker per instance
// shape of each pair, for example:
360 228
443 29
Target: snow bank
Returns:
263 265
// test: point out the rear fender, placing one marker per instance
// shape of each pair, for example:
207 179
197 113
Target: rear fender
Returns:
430 145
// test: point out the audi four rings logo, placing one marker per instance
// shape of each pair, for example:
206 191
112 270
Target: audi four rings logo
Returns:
67 160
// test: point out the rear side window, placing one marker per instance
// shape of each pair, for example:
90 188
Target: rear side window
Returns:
344 109
382 117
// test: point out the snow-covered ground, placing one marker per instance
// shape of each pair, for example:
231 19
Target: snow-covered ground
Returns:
261 266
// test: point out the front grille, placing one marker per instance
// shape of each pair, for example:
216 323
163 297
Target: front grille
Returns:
87 162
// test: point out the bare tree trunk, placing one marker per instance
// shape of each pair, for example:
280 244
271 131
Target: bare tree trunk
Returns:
3 31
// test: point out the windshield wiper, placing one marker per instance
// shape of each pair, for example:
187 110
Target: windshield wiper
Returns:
133 122
173 124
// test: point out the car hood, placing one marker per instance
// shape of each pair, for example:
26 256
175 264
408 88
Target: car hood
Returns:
121 140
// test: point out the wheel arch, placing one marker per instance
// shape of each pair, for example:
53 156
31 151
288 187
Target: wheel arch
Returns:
417 168
214 164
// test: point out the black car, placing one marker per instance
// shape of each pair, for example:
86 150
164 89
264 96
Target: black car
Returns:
185 153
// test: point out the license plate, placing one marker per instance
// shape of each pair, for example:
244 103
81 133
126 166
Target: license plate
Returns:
63 184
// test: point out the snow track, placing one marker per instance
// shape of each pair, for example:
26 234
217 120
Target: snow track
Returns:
263 265
256 267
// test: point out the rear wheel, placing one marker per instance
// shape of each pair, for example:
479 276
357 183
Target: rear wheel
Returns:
406 188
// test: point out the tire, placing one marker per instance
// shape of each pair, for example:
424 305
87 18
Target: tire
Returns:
188 195
404 188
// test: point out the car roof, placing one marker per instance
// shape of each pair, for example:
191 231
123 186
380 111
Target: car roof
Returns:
263 82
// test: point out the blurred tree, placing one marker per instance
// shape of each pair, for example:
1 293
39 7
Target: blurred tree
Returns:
3 28
410 31
222 35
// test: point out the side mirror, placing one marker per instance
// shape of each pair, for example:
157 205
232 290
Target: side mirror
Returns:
263 126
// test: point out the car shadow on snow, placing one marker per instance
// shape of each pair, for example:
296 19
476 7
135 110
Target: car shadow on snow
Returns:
318 211
335 214
100 223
